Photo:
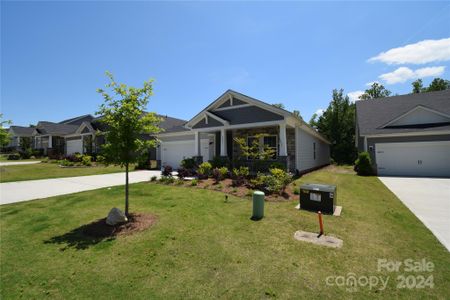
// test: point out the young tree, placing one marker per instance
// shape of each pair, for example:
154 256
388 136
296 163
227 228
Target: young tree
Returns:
126 122
438 84
337 123
375 91
4 135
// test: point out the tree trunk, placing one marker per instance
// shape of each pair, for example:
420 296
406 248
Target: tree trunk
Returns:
126 190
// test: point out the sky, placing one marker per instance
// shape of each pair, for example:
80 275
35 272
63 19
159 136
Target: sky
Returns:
54 54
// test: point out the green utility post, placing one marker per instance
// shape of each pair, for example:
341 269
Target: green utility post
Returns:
258 205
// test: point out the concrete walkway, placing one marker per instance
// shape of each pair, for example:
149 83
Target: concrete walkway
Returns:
15 163
428 199
11 192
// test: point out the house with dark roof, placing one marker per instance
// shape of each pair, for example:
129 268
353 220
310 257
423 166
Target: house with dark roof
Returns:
407 135
20 135
212 132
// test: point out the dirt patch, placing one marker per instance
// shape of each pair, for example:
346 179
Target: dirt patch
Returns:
136 222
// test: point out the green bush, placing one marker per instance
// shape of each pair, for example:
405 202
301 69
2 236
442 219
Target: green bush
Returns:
219 161
167 179
240 175
204 170
100 159
189 163
66 163
363 165
194 182
296 191
153 178
26 153
86 160
220 173
277 165
275 182
14 156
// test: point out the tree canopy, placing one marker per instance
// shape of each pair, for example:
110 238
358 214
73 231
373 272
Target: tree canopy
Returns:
376 90
4 135
337 124
438 84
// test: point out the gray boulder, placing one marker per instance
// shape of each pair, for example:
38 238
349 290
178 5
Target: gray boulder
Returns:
116 216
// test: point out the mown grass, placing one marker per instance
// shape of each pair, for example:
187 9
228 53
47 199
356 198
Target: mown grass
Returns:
203 247
50 170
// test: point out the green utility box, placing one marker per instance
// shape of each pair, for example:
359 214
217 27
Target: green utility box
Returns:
318 197
258 205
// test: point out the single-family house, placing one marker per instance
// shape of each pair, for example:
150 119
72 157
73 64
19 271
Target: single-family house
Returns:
20 137
407 135
213 130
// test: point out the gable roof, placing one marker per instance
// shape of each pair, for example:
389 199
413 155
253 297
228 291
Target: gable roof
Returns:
21 130
78 120
231 93
44 127
373 115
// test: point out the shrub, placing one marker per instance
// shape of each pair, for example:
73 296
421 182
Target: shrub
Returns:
76 157
167 171
86 160
153 178
219 161
204 170
363 165
277 165
296 191
100 159
14 156
189 163
240 175
275 182
45 160
183 173
179 182
167 179
194 182
220 173
66 163
26 153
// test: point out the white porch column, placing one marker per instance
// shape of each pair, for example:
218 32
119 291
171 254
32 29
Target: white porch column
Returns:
50 143
223 142
283 144
197 143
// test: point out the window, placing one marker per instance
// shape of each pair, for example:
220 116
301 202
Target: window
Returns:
314 150
268 141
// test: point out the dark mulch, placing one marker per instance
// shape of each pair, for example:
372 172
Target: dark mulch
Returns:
136 222
98 231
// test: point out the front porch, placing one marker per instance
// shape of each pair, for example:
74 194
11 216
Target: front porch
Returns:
280 137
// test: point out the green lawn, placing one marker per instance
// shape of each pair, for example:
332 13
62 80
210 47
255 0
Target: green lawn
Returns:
49 170
205 248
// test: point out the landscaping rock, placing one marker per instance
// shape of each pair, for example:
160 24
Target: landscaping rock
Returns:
116 216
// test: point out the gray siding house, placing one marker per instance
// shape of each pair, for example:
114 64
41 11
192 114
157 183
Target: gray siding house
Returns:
212 131
406 135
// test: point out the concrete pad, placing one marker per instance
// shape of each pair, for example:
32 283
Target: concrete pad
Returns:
17 163
323 240
11 192
337 210
428 199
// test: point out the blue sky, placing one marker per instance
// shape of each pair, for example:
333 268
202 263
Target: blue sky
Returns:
54 55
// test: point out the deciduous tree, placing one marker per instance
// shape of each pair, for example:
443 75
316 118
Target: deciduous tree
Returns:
376 90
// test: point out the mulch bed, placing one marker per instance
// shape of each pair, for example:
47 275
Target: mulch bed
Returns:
226 186
136 222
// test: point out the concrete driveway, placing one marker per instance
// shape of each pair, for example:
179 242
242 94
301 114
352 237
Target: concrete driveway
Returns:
14 163
11 192
428 199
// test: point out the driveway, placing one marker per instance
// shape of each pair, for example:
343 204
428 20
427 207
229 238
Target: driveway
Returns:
14 163
428 199
11 192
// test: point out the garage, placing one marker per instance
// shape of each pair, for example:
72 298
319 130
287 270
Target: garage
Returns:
172 153
74 146
413 159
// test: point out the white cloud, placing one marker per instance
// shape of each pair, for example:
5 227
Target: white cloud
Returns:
403 74
422 52
355 95
319 112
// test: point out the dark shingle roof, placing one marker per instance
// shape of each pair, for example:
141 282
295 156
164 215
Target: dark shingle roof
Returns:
45 127
373 114
78 120
21 130
169 124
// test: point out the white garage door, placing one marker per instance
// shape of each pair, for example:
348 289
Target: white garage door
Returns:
74 146
172 153
414 159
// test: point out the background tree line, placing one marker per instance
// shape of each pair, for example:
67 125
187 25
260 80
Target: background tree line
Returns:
337 123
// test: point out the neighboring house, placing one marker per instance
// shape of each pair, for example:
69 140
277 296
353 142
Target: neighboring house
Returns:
20 137
406 135
212 131
82 134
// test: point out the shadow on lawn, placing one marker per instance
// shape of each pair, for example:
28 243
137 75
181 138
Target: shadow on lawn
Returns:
85 236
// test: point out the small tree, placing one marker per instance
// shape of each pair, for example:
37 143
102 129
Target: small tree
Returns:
126 122
417 86
4 134
254 150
